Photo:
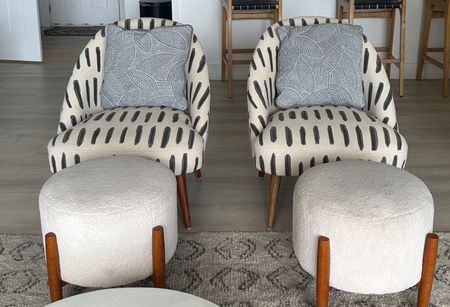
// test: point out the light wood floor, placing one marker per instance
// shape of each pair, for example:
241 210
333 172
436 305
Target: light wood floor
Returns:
230 197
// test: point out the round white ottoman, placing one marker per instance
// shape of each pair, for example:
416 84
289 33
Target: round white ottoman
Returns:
376 218
102 212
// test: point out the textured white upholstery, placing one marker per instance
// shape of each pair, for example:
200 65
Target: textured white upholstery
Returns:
102 212
376 217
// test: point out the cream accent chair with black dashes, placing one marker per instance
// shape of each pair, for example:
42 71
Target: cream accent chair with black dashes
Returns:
287 142
172 137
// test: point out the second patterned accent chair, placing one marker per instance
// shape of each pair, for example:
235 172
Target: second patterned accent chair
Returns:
172 137
287 142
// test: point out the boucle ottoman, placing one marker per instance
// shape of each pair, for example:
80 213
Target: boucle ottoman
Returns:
361 227
105 222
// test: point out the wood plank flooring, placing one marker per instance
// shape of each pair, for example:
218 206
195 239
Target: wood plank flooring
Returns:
230 197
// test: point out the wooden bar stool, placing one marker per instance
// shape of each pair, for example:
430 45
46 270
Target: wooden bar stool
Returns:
436 9
240 10
351 9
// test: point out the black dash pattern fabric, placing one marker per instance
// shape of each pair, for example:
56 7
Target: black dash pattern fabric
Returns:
171 136
287 142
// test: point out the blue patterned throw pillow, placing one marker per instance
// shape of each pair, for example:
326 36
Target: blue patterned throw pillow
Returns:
320 65
146 68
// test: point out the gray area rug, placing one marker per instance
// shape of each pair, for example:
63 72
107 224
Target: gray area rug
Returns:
229 269
72 31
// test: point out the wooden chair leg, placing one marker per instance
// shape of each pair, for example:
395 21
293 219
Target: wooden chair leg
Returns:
274 190
158 257
224 42
428 268
402 48
446 51
424 42
323 272
184 200
198 174
55 282
230 54
391 41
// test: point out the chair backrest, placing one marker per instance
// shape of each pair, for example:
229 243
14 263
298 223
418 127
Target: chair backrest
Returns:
261 84
82 97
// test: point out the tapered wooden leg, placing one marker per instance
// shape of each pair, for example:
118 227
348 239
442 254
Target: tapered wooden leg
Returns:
198 174
53 269
184 200
402 48
260 174
230 55
428 268
323 272
224 43
351 11
391 41
159 257
424 42
446 52
274 189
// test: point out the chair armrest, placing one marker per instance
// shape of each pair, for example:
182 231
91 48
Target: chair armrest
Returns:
377 87
261 89
82 97
198 89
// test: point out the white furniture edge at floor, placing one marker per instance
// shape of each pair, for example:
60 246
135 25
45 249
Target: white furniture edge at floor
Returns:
103 232
364 227
134 297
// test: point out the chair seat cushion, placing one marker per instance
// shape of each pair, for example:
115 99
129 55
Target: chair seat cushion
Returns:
298 138
254 4
158 133
377 4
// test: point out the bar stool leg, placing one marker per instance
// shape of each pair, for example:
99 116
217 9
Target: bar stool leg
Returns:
351 11
424 43
323 272
55 282
158 257
391 41
230 55
428 268
402 48
446 50
224 42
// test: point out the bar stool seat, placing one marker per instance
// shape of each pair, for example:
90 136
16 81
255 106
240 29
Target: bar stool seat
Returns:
377 4
247 5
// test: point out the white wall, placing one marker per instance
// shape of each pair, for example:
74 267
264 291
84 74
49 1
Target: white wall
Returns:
205 17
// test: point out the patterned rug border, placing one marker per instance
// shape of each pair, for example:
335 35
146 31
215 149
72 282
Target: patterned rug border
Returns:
227 268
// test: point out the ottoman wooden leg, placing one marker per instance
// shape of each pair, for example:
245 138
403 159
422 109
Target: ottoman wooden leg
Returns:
260 174
159 257
55 283
198 174
428 268
274 189
184 200
323 272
